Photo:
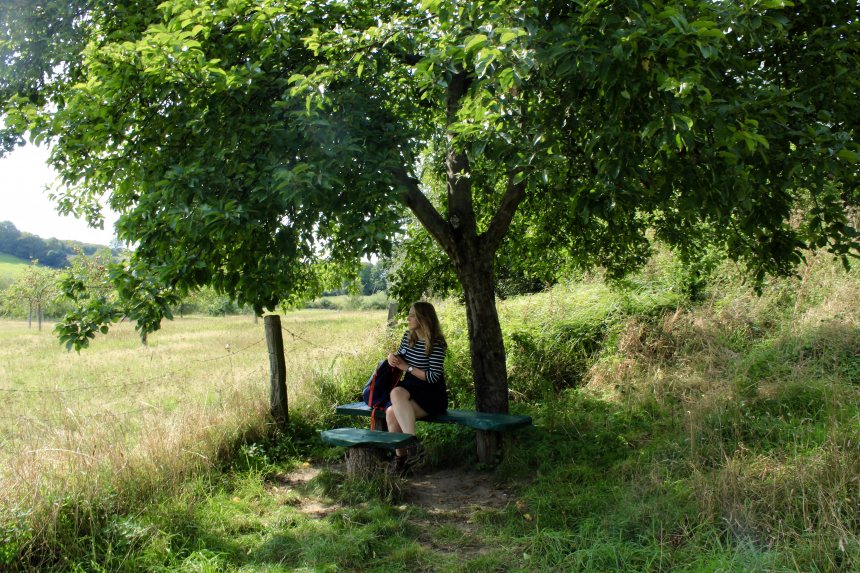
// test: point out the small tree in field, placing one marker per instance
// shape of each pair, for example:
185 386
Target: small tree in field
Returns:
259 146
36 288
93 284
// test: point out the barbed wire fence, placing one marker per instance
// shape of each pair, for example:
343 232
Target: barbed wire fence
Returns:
147 384
188 365
140 385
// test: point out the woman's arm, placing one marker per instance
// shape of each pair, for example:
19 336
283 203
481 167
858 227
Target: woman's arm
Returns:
396 360
404 344
435 365
435 370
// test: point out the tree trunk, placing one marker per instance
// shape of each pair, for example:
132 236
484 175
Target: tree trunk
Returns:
475 268
485 337
473 254
364 462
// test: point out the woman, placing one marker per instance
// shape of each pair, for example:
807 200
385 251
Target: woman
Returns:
422 391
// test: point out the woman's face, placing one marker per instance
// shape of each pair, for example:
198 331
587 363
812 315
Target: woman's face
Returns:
411 319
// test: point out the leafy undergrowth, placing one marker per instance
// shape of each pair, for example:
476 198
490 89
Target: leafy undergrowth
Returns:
714 435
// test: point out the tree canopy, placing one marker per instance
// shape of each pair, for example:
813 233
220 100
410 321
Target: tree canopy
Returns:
256 145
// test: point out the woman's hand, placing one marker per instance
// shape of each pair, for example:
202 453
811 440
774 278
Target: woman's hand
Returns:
395 361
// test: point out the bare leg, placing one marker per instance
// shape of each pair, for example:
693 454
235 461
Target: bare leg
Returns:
403 411
391 420
393 426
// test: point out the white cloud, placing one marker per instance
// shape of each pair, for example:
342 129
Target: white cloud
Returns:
24 179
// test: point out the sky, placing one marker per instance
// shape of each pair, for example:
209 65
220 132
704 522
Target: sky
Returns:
24 178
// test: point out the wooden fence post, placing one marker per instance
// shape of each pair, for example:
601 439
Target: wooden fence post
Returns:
392 312
278 370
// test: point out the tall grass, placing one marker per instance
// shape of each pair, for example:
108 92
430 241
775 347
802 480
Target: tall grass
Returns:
88 435
720 434
715 432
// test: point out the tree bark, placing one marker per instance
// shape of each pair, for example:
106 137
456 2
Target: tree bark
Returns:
485 333
475 269
364 462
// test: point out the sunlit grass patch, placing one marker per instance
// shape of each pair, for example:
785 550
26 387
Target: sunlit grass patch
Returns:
694 435
122 422
11 269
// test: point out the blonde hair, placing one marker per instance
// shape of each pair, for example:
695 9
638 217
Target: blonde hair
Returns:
428 329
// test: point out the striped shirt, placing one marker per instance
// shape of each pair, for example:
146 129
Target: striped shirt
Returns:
415 356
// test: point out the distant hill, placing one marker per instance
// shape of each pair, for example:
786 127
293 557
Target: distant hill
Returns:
52 252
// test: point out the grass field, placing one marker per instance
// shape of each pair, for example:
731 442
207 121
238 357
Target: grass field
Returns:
122 416
10 269
671 435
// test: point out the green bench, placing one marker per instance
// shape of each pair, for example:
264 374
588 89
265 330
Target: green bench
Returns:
351 437
468 418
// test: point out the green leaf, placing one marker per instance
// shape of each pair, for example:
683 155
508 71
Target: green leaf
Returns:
685 120
484 60
474 42
506 35
848 155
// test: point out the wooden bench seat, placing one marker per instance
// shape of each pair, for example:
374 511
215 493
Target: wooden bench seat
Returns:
351 437
468 418
366 446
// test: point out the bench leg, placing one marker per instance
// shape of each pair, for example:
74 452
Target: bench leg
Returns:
362 461
488 446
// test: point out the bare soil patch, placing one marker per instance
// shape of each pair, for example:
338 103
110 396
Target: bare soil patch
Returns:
447 491
290 486
451 498
456 490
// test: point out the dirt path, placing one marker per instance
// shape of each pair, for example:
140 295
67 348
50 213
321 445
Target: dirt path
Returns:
438 491
450 499
456 490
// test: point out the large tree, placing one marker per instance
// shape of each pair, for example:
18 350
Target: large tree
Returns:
243 142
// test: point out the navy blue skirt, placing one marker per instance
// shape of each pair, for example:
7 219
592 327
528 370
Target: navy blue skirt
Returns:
433 398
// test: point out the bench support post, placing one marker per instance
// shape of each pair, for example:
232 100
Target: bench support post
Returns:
488 446
362 461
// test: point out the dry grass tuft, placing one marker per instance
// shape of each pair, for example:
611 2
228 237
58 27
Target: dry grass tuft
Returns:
767 391
101 431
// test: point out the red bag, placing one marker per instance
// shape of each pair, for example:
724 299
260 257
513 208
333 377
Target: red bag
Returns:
377 391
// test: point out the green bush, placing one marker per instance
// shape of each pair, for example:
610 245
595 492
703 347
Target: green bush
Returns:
376 301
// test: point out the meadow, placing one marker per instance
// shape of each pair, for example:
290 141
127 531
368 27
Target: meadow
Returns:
130 419
675 430
10 269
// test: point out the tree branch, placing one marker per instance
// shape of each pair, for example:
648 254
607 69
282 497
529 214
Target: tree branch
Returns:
514 195
461 211
426 212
